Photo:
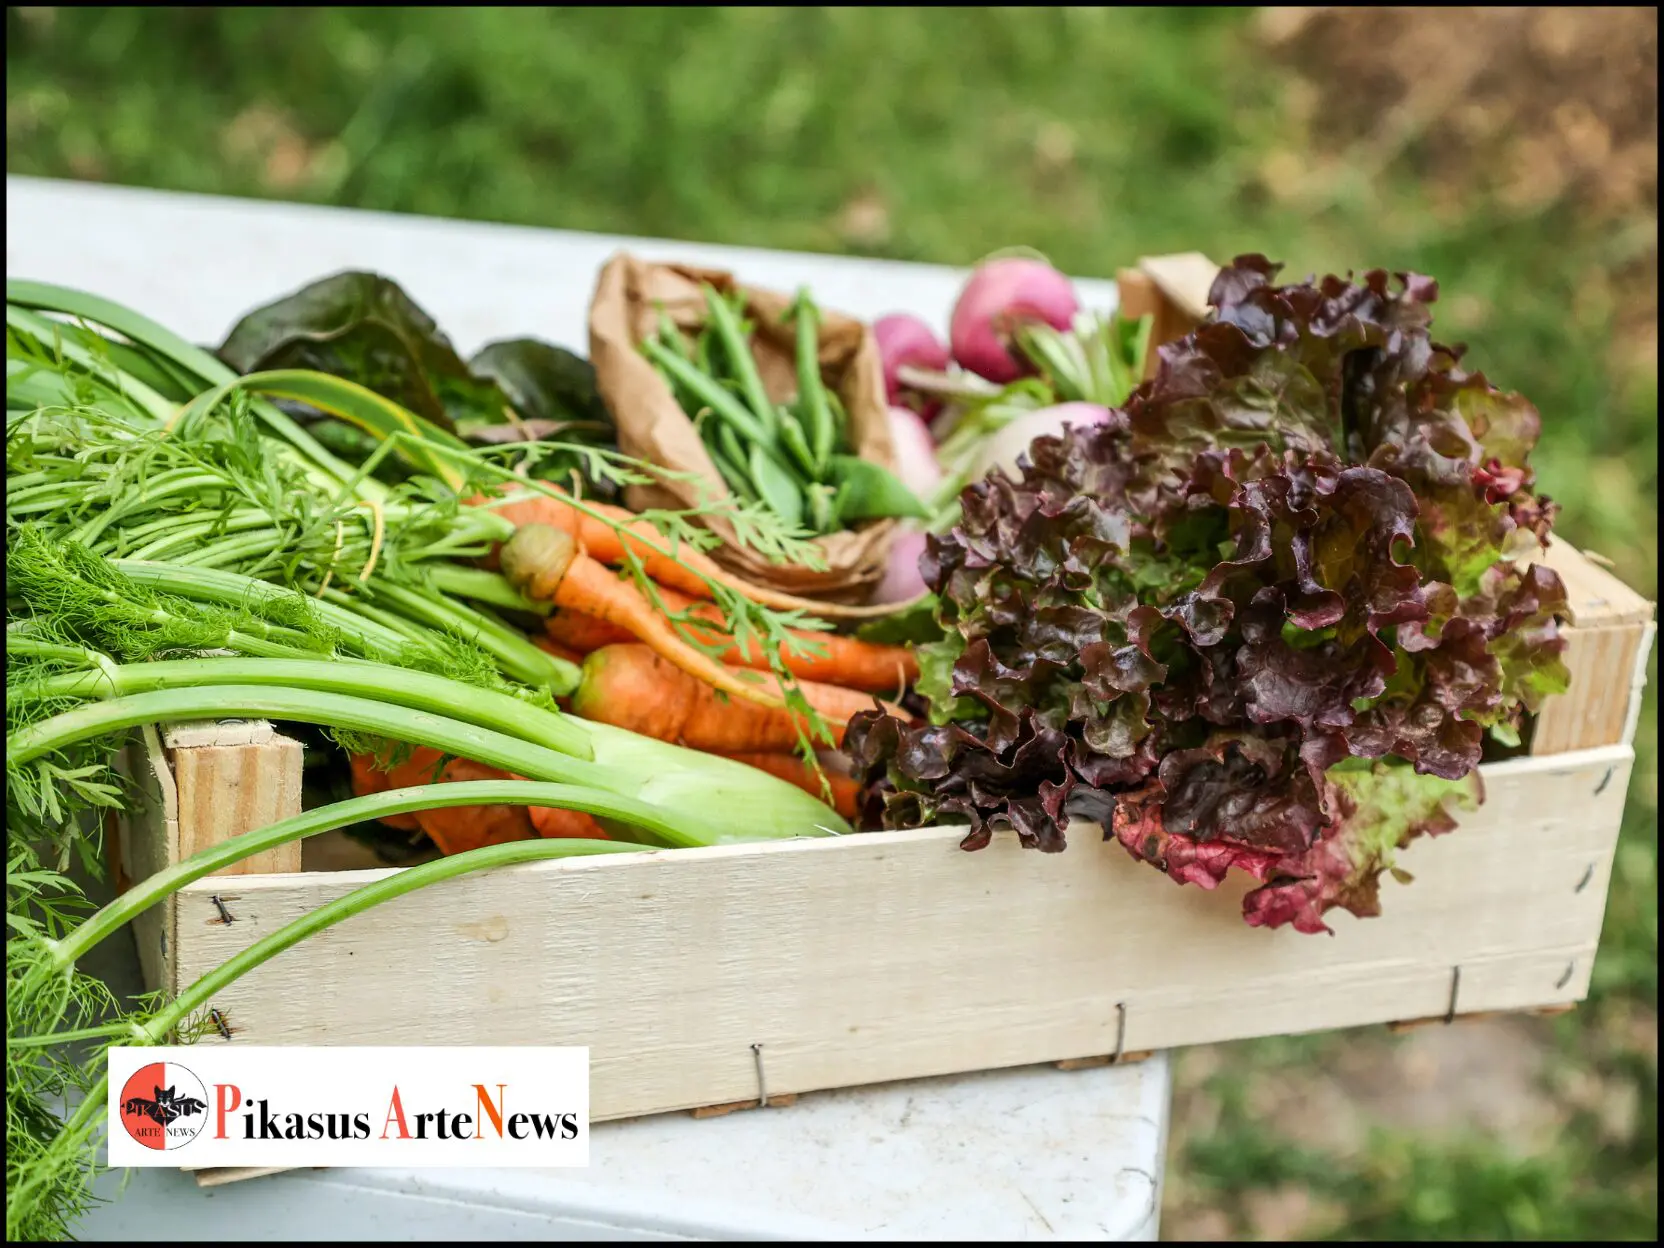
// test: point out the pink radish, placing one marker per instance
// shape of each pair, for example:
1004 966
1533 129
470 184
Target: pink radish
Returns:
902 582
915 452
905 340
1000 295
1001 448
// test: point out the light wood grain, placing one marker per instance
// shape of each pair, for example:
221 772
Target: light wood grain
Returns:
1596 598
1172 291
225 790
1185 279
1138 295
895 955
218 1176
1606 652
149 839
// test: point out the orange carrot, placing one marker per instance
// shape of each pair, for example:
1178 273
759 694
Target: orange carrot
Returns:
456 829
792 769
453 829
545 564
573 630
845 661
633 687
556 647
551 821
367 779
690 570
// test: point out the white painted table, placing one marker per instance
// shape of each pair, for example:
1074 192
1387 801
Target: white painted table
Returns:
1032 1153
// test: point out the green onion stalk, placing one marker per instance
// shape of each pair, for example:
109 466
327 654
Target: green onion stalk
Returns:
180 549
637 788
715 800
52 1161
304 519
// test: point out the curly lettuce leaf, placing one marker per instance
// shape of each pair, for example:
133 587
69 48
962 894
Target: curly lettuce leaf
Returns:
1262 620
1378 811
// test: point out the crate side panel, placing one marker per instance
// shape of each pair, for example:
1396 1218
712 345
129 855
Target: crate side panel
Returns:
1606 646
898 955
1595 710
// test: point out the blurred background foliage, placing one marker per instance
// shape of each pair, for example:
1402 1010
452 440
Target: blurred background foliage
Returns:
1511 153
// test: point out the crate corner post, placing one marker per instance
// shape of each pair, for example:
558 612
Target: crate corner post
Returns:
1607 644
235 778
198 785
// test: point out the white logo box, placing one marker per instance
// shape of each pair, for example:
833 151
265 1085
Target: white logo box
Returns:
233 1105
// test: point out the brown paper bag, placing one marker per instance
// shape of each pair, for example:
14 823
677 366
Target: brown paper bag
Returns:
653 427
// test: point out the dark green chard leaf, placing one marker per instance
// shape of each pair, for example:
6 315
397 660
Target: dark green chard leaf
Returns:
363 327
1264 618
544 382
554 393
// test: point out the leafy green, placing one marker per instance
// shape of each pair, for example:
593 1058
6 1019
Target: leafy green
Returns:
543 382
914 624
1294 551
363 327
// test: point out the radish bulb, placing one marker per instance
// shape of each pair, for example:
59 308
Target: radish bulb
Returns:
1001 448
915 452
998 296
902 581
906 341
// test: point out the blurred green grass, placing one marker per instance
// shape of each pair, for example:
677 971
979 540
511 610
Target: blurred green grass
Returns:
1097 135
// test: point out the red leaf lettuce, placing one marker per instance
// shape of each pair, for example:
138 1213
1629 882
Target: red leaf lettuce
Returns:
1263 618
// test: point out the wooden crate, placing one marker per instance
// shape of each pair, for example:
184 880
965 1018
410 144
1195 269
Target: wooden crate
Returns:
697 975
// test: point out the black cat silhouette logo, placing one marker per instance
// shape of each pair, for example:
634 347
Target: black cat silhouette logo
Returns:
163 1105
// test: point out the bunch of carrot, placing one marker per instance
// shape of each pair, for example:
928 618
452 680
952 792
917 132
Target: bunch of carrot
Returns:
640 673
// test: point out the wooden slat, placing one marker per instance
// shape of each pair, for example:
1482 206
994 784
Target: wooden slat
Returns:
1606 651
149 839
896 955
1172 290
1596 597
218 1176
1104 1059
734 1107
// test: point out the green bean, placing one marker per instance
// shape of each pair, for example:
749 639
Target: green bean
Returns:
797 445
673 337
811 391
823 515
776 485
740 361
705 390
